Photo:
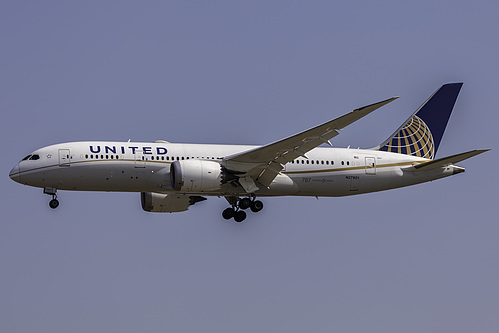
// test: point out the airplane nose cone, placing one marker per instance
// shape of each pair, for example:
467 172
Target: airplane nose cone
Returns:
14 174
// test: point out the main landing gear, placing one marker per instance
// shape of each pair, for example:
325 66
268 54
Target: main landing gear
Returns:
239 205
54 203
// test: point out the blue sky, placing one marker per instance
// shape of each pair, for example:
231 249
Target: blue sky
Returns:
422 258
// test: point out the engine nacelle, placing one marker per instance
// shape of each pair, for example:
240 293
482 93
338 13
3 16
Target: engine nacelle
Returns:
195 176
164 203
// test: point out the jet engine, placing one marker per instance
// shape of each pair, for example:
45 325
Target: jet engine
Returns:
195 176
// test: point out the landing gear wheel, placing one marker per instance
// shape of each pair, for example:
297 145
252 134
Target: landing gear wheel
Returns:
240 216
228 213
244 203
52 191
54 203
256 206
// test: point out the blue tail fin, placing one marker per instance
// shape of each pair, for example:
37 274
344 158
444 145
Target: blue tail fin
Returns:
421 134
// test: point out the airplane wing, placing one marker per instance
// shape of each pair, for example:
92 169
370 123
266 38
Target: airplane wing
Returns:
263 164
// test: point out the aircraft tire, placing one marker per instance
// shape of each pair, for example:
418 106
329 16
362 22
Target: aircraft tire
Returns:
244 203
54 203
256 206
228 213
240 216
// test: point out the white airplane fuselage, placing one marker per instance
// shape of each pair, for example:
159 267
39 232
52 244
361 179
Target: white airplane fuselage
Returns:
145 167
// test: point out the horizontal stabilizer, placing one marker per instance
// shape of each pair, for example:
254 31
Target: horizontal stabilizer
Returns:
445 161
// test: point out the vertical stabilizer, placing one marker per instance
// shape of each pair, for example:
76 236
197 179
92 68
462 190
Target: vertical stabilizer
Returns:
421 134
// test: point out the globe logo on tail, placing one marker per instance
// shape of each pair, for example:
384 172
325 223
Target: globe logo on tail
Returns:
413 139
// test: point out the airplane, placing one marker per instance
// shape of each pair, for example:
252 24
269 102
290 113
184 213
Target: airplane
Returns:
171 177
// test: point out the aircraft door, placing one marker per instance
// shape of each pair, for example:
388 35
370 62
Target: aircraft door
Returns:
140 159
64 157
370 166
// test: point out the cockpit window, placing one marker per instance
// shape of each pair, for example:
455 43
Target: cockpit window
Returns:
32 157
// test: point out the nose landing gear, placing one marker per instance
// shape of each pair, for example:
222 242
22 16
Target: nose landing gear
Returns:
54 203
239 205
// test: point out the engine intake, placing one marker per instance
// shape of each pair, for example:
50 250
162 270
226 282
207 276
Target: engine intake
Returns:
195 176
